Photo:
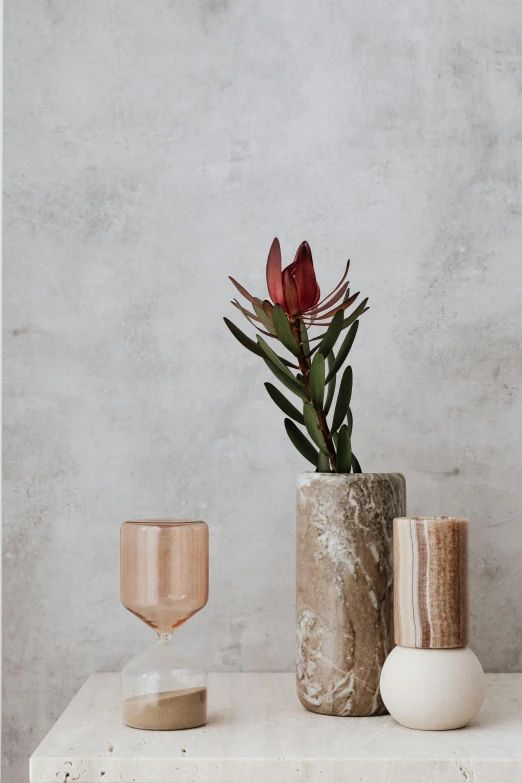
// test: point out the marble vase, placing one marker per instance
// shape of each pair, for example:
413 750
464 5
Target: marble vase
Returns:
345 588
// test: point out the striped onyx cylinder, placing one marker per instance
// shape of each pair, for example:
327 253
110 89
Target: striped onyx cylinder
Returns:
431 680
431 593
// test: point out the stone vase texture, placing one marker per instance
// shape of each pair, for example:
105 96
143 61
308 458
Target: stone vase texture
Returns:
345 588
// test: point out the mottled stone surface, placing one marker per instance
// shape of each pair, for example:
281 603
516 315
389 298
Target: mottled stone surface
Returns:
431 592
258 733
344 588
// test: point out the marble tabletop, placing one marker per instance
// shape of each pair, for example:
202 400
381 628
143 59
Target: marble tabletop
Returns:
258 732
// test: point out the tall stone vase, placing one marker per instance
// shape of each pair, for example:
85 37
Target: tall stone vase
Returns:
345 588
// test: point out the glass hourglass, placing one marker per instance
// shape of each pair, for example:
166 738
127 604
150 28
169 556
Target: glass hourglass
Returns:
164 581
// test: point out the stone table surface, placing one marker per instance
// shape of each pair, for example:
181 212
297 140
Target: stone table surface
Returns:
258 732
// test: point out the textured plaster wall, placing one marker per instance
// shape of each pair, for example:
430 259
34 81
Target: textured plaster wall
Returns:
153 148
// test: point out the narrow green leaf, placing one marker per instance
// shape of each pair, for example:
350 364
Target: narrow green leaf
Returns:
310 419
285 405
323 463
301 442
317 381
288 380
347 295
344 350
252 346
273 357
243 339
344 451
331 385
304 340
335 438
284 330
332 333
267 321
355 315
356 468
343 398
349 419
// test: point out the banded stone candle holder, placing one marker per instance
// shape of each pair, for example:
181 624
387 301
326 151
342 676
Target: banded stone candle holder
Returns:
431 680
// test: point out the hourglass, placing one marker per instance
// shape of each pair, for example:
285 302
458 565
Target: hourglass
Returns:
164 581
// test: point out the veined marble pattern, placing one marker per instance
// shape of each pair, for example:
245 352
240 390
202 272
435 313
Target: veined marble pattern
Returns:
431 597
344 588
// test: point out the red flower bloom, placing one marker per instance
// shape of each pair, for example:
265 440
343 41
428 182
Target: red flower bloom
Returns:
295 288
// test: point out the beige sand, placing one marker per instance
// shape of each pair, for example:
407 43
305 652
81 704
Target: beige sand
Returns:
184 709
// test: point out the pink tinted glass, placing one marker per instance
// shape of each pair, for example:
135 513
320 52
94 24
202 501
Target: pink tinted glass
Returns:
164 571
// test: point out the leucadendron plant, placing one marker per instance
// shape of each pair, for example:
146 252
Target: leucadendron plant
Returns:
294 308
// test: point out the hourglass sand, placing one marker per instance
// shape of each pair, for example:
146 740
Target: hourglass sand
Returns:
164 581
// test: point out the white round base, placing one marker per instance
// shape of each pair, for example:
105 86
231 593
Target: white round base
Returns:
432 690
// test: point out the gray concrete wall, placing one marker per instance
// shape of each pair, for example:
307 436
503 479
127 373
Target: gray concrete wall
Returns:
153 148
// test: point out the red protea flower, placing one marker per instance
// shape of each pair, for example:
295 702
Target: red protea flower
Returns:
295 288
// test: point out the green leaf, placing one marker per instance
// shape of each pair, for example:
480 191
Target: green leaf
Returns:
344 350
285 405
243 339
301 442
317 381
310 419
355 315
273 357
335 438
251 345
284 330
267 322
356 468
349 419
343 399
306 344
332 333
344 451
289 381
323 463
331 385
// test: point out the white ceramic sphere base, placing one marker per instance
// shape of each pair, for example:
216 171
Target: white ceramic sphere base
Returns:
432 690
